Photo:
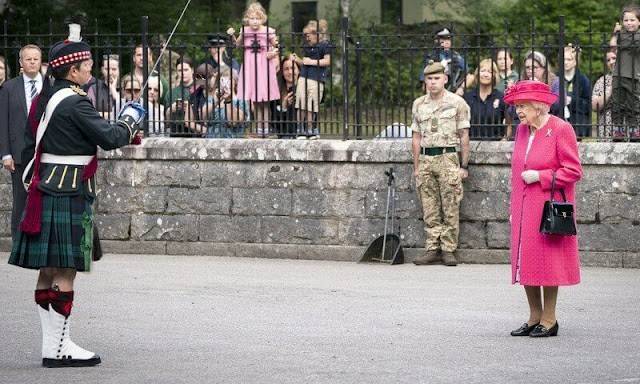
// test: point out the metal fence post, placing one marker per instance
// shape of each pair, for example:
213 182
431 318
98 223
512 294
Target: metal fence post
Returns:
144 23
345 77
358 91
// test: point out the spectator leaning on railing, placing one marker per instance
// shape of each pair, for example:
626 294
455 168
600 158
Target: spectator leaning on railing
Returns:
226 114
218 54
257 80
155 114
485 101
138 67
577 108
314 63
130 88
536 67
507 76
283 111
601 100
626 74
106 90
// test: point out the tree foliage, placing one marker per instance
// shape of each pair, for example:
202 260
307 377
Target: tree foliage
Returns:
201 17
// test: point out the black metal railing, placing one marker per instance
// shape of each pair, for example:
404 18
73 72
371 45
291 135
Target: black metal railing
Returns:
364 90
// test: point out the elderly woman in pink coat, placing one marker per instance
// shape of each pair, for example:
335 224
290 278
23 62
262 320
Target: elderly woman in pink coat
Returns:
544 145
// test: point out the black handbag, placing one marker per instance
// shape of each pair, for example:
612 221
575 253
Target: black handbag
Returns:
558 216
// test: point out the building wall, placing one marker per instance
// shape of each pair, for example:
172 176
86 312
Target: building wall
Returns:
326 199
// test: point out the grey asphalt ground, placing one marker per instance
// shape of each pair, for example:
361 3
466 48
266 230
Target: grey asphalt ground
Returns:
166 319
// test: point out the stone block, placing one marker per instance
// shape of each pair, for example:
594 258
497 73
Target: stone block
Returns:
261 201
359 176
412 232
407 204
587 207
472 235
483 206
200 249
134 247
483 256
609 153
631 260
499 234
491 152
320 202
204 201
6 196
488 178
121 173
610 179
5 178
5 223
215 174
164 227
360 231
229 229
619 207
288 230
608 237
173 173
154 199
288 175
601 259
363 231
5 244
113 227
302 252
119 199
247 174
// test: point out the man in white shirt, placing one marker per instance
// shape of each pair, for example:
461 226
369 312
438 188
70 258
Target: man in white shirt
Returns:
16 97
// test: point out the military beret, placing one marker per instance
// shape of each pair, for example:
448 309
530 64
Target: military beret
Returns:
433 68
70 51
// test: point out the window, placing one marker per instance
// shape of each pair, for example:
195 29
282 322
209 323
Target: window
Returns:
303 12
391 11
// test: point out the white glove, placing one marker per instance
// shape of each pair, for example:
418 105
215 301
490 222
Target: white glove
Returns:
530 176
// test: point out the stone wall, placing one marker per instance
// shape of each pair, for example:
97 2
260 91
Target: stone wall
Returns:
326 199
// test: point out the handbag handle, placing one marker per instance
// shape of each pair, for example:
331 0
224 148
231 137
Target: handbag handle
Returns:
553 188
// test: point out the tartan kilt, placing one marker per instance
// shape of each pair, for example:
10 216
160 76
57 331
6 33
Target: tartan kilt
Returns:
66 238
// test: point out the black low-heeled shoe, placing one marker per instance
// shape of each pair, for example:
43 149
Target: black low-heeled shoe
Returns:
542 331
524 330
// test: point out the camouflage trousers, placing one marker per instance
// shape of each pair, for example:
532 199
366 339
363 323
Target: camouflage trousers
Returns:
440 188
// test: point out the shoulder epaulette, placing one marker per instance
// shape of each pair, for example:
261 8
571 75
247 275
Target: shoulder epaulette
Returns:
78 90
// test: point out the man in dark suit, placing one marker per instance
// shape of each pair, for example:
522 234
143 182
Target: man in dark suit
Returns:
16 96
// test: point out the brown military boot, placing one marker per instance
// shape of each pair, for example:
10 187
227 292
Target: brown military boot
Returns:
449 259
429 257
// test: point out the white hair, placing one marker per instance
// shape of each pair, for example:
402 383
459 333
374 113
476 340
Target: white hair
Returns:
540 106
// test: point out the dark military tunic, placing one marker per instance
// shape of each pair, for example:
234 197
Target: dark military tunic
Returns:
66 238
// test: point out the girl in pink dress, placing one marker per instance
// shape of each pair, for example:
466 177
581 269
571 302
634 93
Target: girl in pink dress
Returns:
258 82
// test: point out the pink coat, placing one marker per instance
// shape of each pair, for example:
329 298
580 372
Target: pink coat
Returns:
537 259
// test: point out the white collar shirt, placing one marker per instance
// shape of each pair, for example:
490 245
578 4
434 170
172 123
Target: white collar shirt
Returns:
27 88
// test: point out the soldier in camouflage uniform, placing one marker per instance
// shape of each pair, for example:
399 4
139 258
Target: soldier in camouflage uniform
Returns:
440 128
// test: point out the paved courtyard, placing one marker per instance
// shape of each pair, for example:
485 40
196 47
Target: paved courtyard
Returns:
167 319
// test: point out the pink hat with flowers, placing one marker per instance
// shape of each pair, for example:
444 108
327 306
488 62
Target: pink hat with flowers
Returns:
530 90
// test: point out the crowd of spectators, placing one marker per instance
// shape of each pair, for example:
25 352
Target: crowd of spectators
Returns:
279 93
